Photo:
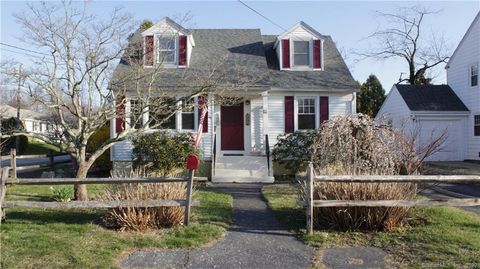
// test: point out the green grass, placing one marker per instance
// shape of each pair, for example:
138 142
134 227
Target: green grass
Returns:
36 238
36 147
438 237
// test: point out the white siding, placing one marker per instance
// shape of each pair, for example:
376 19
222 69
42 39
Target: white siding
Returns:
395 111
122 151
339 104
458 77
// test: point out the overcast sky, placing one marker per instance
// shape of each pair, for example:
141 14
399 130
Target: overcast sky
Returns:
347 22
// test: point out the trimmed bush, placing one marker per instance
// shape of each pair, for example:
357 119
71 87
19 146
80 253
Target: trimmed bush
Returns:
94 142
162 153
294 150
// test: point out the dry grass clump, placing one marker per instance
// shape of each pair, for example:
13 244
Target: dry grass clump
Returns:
142 218
356 145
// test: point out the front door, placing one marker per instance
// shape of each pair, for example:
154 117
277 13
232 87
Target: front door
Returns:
231 126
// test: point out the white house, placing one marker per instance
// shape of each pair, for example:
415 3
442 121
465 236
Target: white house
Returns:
462 75
34 122
427 111
304 81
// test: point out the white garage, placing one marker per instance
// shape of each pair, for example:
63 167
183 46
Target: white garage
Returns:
428 112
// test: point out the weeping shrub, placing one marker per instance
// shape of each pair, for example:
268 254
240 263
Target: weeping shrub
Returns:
356 145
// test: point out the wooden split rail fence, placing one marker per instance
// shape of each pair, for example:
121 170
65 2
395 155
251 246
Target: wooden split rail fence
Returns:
5 180
14 167
424 179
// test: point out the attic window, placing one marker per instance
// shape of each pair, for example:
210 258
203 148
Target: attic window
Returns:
166 49
301 53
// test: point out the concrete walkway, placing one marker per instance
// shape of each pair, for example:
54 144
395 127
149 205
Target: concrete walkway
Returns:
256 240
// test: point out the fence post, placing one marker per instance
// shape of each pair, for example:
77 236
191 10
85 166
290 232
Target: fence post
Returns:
310 175
188 200
13 162
51 158
3 190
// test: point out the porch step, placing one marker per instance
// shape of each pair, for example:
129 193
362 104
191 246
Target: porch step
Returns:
242 169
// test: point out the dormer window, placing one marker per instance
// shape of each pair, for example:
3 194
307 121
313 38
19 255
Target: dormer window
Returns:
301 53
166 50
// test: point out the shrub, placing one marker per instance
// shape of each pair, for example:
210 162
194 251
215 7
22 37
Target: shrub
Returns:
294 150
356 145
161 152
8 127
94 142
62 194
145 218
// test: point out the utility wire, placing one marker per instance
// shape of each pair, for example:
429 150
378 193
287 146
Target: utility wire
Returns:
27 54
263 16
24 49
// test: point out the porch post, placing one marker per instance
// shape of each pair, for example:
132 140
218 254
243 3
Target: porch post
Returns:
265 119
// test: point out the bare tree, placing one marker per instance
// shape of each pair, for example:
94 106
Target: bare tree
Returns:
82 87
403 36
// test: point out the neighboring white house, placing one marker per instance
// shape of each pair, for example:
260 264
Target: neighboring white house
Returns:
34 122
454 108
304 82
463 76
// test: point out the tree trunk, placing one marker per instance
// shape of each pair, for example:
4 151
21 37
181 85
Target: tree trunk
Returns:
81 189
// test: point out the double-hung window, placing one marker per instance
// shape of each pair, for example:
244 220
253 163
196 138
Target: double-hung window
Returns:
301 53
474 75
476 125
162 113
188 116
166 50
306 113
136 120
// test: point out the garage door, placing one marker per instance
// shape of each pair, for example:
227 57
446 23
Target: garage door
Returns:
451 149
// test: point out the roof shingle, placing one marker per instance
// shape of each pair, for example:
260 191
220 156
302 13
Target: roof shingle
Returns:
430 98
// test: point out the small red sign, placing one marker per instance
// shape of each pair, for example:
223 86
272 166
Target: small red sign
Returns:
193 162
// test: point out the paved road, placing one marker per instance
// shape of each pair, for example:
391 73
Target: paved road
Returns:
256 240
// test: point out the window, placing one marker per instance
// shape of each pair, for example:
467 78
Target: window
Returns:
162 112
166 49
136 120
306 113
188 116
301 53
474 75
476 125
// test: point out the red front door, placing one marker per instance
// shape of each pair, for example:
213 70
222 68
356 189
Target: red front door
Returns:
232 127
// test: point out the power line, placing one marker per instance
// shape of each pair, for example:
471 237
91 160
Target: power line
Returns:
28 54
263 16
24 49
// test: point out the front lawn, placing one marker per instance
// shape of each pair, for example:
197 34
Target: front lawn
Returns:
36 147
438 237
36 238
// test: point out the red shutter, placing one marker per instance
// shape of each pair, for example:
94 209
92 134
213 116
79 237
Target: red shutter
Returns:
289 114
201 102
182 50
120 120
317 54
149 50
285 53
323 109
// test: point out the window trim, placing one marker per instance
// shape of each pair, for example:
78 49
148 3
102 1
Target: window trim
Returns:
476 124
470 74
295 110
176 116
